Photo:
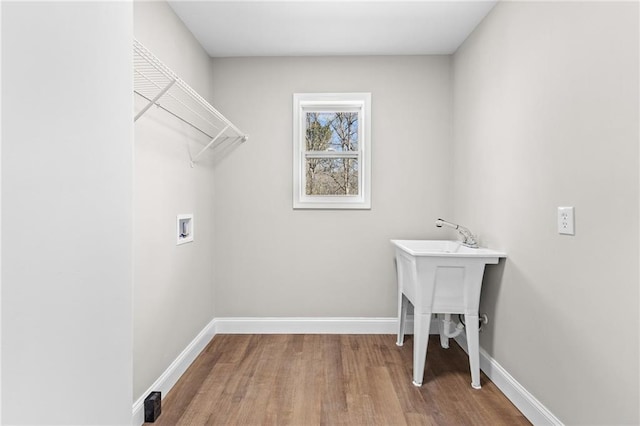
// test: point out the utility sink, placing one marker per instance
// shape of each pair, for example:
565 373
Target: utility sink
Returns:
440 277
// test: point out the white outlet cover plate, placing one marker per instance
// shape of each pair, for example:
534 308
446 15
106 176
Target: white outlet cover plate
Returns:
566 221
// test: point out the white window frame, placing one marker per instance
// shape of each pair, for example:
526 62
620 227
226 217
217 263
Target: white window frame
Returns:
314 102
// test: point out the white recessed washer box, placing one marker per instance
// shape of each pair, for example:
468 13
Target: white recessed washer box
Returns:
184 227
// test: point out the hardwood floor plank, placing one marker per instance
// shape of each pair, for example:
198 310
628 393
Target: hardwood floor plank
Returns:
330 380
387 406
334 401
307 380
281 399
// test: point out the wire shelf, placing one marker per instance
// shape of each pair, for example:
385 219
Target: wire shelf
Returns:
161 87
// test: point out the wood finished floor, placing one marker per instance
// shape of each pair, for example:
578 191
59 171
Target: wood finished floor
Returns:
330 380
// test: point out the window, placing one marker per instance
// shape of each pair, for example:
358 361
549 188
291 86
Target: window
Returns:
332 151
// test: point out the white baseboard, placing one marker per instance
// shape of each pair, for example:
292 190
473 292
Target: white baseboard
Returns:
165 382
532 409
346 325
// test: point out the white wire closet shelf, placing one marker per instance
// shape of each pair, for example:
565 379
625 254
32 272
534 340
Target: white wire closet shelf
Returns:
161 87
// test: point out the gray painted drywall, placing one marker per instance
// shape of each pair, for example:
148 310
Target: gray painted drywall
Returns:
546 115
67 156
173 285
271 260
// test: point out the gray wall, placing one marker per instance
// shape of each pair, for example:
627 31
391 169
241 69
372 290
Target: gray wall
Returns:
67 157
173 285
273 261
546 115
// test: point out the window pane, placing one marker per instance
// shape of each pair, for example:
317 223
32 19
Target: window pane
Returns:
332 176
331 131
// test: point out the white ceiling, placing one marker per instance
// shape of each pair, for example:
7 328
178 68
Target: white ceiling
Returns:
330 27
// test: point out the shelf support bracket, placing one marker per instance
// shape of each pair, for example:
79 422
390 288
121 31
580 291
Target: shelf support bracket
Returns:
154 100
209 144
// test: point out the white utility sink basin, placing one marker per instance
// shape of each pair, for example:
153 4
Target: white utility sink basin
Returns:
440 277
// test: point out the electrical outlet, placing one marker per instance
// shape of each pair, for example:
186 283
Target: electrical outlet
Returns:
566 221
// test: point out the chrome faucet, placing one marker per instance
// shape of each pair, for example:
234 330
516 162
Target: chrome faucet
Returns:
468 239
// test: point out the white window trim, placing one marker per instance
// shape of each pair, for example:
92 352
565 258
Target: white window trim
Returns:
331 102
